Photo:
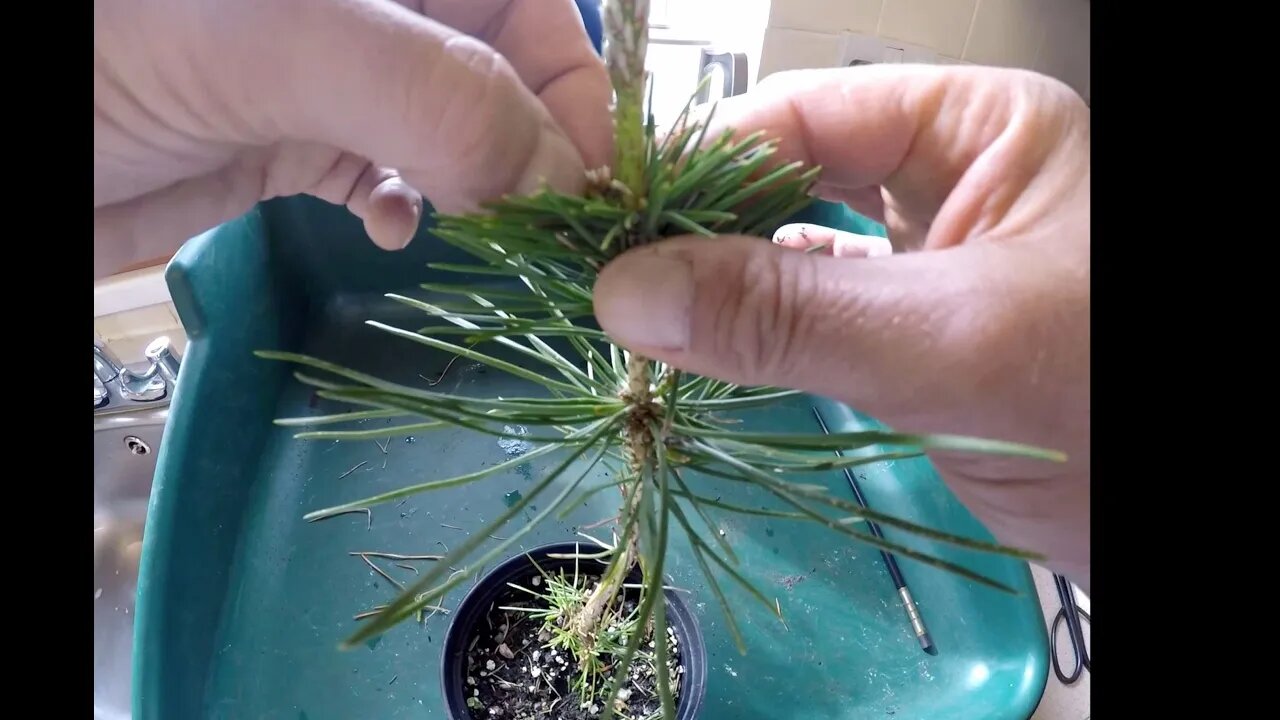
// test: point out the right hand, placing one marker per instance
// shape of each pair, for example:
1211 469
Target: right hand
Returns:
984 333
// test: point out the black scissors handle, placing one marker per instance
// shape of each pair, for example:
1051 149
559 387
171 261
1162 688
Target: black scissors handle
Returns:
1070 613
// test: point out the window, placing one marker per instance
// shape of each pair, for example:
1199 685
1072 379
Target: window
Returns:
680 30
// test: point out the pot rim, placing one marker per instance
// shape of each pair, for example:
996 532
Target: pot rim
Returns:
680 618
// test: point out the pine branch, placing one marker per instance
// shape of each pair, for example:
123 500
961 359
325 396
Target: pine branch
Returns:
626 32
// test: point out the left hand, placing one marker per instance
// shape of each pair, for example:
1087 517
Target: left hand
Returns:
202 108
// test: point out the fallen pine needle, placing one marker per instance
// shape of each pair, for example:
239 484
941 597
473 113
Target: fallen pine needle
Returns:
396 556
357 467
366 511
437 381
598 523
370 613
382 572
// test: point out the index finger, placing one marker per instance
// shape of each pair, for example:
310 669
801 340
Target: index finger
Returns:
547 44
913 129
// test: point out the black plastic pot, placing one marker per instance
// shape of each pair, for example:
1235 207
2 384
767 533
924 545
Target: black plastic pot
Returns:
680 618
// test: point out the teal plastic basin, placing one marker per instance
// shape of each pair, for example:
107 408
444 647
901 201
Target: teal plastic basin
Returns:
241 604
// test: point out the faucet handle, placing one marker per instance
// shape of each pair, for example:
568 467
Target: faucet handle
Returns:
164 358
106 366
100 395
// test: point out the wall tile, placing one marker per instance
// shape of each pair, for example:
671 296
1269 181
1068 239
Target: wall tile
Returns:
1064 54
826 16
131 349
126 291
128 333
109 326
138 321
798 49
939 24
1008 33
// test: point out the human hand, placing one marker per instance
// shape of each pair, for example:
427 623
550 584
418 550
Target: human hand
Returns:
986 333
202 108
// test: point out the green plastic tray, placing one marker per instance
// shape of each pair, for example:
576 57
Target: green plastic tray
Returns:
242 604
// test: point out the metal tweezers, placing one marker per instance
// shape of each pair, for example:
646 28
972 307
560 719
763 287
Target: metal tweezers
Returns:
891 563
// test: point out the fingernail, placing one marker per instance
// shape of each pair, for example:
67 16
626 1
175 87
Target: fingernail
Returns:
555 162
415 210
802 235
643 301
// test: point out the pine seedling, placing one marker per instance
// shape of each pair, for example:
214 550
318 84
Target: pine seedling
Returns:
597 403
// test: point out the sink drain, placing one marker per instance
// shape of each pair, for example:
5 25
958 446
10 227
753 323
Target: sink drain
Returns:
137 445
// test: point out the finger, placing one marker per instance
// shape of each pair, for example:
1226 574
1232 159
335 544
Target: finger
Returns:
830 242
872 202
898 337
159 222
917 131
858 123
547 44
909 232
389 207
405 91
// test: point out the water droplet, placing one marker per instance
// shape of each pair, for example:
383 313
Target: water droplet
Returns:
410 440
511 498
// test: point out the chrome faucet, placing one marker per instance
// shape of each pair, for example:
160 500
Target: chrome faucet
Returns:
100 394
149 386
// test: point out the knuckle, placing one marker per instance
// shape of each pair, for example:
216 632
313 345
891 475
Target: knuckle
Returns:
472 101
1054 107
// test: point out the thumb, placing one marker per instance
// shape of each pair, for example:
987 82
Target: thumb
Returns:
443 108
875 333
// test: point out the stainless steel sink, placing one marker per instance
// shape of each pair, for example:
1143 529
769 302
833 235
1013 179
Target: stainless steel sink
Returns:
125 444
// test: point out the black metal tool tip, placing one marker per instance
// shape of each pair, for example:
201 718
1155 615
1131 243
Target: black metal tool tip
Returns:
926 644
